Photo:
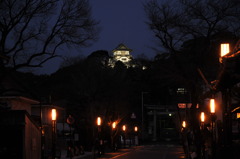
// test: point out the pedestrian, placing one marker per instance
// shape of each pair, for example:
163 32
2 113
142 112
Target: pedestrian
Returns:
70 152
76 150
208 141
81 150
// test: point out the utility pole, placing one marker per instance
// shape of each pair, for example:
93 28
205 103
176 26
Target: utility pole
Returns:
143 131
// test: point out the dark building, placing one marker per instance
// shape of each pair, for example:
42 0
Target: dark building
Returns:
20 135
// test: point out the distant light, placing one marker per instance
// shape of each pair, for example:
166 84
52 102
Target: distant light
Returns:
43 132
135 128
124 127
197 106
184 124
170 114
114 125
54 114
182 105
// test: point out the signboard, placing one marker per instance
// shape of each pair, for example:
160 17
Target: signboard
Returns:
184 105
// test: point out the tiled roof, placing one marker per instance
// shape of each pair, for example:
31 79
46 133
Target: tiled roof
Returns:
122 47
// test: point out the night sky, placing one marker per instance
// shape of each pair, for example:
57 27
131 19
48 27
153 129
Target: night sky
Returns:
121 21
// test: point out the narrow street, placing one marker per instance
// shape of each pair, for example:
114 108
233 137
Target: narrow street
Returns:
158 151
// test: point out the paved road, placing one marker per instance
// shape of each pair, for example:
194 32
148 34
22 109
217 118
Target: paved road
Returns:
160 151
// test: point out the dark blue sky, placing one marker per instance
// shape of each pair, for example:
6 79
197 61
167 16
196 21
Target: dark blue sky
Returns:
121 21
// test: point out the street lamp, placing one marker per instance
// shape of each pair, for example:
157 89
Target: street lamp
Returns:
99 123
112 135
54 118
212 111
124 135
202 119
238 119
213 115
136 135
54 114
213 118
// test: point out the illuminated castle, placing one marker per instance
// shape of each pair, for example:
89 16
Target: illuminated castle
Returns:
122 53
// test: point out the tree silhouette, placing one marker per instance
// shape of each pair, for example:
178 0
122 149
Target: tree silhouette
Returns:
33 32
176 22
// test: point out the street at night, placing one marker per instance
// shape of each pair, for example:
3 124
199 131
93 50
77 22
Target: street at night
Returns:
154 151
122 79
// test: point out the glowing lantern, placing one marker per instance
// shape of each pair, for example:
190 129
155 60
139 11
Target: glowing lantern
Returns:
54 114
212 106
135 128
114 125
99 121
224 49
202 117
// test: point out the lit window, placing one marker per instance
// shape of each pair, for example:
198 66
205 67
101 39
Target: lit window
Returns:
124 59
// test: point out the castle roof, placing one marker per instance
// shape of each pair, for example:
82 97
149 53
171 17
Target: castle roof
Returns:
122 47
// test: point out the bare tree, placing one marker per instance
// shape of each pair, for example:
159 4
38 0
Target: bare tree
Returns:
34 31
174 23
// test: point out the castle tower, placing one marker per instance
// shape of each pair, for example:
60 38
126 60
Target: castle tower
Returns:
122 53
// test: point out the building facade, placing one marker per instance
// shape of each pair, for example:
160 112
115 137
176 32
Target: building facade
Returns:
161 121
